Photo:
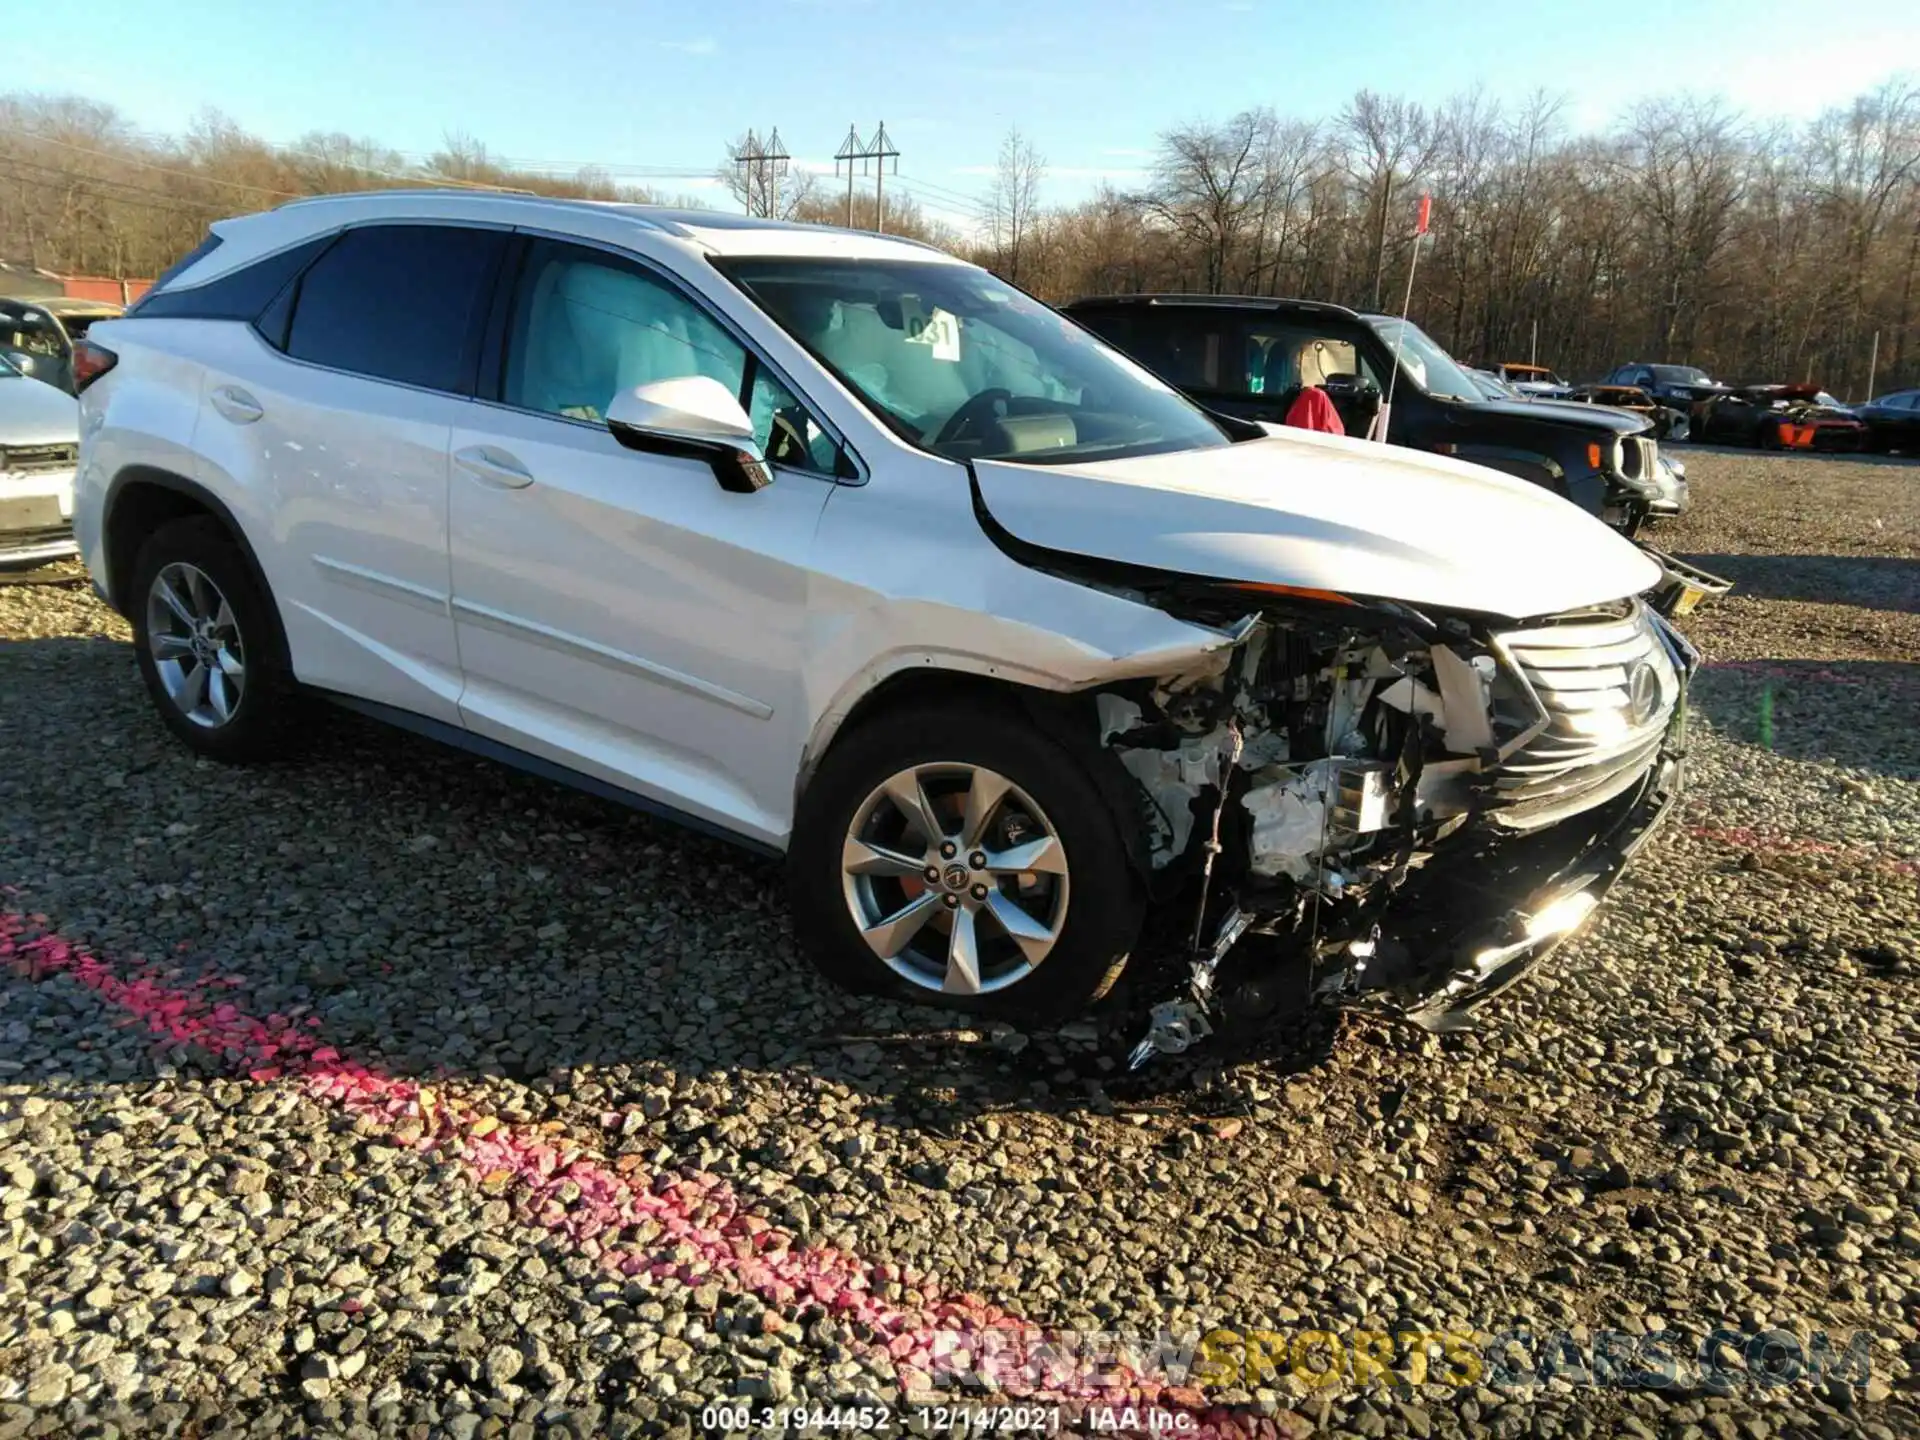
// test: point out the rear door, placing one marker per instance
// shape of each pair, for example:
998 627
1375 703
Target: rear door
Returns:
618 612
338 404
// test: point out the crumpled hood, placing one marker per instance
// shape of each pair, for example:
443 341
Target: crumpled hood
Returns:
33 412
1326 512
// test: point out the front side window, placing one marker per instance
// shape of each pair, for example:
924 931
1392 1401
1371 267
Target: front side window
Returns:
397 302
1287 355
588 325
965 366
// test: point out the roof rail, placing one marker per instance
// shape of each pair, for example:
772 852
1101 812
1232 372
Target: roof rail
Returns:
409 192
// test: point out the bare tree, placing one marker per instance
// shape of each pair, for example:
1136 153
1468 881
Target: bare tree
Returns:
1388 143
1207 186
1013 202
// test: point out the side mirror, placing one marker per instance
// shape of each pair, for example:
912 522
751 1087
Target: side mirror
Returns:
695 416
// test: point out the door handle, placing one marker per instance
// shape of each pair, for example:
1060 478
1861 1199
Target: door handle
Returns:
236 404
493 467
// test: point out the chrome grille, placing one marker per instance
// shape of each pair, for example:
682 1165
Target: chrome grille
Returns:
1609 687
29 459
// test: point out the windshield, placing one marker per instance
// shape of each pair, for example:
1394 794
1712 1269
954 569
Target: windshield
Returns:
1424 362
1679 375
7 372
961 364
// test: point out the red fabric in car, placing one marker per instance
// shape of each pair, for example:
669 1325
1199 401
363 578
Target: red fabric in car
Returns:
1312 410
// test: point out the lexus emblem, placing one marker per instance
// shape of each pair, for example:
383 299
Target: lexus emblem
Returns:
1643 693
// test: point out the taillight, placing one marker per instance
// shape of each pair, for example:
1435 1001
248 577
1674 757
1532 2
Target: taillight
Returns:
90 362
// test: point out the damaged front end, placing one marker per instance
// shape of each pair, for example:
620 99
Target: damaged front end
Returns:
1379 806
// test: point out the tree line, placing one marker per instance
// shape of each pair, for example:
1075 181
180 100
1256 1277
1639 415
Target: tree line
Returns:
1685 232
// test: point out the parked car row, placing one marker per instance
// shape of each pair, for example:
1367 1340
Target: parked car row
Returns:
1684 402
841 548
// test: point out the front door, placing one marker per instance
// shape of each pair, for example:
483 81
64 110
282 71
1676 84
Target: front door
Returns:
618 612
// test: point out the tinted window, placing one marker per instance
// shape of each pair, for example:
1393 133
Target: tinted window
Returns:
208 244
1187 348
238 295
398 302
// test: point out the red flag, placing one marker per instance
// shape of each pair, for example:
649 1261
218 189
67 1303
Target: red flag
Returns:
1426 214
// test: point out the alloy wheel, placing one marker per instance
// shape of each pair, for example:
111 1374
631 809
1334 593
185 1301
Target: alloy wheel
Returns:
196 645
955 878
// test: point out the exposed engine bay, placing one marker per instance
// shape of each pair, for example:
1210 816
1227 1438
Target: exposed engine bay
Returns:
1357 794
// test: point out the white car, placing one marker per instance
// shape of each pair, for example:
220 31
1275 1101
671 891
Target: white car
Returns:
841 548
39 439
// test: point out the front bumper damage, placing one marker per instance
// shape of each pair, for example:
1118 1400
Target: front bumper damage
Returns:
1476 803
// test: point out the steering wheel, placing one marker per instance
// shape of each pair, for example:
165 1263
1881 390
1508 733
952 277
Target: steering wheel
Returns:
974 408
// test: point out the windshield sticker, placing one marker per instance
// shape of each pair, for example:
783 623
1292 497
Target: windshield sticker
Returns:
940 332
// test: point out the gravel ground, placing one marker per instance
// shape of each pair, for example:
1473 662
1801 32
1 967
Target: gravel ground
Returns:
390 1092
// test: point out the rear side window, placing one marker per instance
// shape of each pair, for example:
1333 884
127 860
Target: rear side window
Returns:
1186 348
209 243
398 302
238 295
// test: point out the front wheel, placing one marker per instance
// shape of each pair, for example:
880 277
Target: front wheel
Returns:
962 859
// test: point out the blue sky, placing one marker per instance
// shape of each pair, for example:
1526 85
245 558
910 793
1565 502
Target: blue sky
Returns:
653 90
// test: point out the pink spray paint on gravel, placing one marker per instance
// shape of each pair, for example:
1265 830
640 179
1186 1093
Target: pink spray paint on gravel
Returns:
696 1231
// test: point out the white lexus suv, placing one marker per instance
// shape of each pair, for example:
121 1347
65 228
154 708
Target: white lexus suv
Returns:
840 548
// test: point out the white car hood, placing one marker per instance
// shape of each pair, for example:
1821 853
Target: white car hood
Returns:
1326 512
33 412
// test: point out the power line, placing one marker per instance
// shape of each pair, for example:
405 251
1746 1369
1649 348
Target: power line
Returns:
162 169
942 190
101 188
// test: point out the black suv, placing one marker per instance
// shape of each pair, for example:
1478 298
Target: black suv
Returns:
1250 357
1681 386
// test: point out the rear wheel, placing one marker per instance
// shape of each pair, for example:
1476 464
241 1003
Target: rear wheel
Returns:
964 860
208 643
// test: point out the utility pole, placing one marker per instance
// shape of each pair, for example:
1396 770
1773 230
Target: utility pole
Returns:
763 167
851 149
879 152
883 151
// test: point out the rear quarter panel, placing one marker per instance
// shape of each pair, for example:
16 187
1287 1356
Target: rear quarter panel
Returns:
141 412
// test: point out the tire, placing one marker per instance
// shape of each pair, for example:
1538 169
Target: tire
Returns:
241 654
1092 906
